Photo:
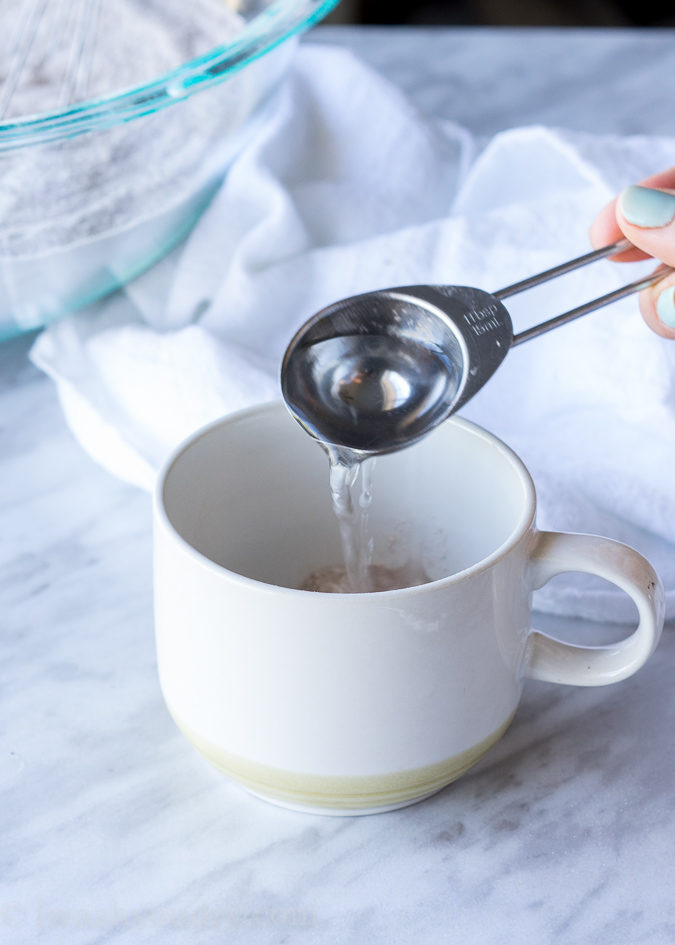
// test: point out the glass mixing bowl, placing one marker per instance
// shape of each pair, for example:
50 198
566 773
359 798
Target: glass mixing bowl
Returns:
95 188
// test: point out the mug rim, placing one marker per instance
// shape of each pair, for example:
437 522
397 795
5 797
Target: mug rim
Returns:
161 515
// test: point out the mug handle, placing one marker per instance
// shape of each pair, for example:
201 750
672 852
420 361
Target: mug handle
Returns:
555 661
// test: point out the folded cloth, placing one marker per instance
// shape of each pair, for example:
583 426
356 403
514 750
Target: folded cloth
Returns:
348 188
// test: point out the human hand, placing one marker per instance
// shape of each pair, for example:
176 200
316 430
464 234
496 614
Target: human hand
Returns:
645 215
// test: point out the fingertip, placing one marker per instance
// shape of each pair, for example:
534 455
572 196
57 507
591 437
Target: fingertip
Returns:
645 207
665 307
657 305
605 230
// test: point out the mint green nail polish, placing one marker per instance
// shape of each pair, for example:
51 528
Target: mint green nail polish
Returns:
665 306
644 206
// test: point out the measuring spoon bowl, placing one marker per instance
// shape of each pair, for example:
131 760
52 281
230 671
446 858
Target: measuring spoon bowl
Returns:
375 372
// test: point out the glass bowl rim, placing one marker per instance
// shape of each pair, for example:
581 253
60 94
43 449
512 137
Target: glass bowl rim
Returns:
266 30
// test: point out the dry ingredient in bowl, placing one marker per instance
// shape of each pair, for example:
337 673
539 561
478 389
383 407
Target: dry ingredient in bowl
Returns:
59 193
55 53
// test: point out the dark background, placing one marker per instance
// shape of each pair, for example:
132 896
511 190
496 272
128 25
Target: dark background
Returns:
631 13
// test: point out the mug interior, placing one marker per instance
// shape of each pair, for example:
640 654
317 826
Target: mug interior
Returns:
251 494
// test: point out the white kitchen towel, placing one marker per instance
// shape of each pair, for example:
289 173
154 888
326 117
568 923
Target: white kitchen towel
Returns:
346 188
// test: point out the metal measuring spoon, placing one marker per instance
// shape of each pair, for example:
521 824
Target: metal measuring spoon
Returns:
375 372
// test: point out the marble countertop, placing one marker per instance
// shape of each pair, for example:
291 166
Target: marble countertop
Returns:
115 831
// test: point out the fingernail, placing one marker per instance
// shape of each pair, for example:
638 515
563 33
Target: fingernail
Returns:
645 206
665 306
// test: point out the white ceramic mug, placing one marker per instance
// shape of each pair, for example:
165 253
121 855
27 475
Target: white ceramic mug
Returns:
348 704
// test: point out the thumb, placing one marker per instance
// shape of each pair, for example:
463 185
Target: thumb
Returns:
647 218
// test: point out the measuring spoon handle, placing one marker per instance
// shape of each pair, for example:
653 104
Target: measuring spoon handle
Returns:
587 307
596 254
563 268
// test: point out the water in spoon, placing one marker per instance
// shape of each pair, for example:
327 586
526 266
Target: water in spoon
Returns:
367 392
